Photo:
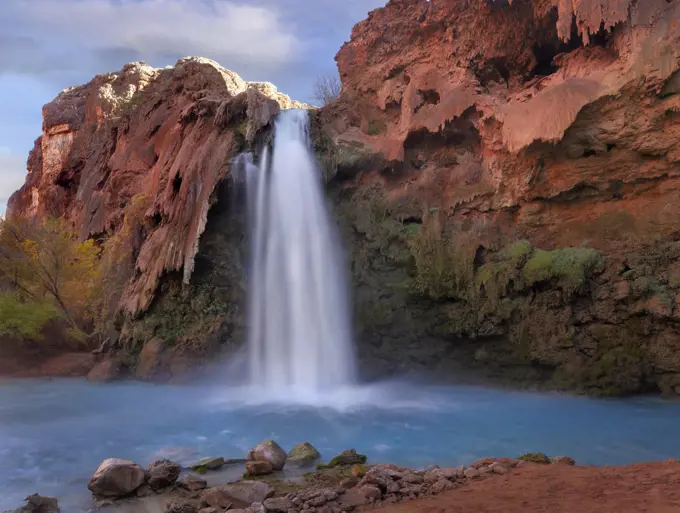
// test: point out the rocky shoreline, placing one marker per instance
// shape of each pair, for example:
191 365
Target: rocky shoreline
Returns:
345 483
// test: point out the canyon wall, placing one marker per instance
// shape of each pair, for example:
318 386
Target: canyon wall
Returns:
506 175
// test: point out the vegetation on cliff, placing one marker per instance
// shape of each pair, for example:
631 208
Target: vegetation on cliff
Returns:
48 274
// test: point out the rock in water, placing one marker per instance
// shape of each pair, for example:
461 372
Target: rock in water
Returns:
38 504
302 455
116 478
269 451
348 457
163 473
258 468
193 483
207 463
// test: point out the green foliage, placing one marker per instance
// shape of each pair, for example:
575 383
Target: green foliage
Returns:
535 457
443 269
46 262
376 127
570 266
25 319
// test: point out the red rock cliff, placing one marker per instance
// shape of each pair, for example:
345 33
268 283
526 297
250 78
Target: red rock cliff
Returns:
557 122
159 138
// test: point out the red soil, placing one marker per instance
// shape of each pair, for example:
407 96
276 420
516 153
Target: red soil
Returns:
640 488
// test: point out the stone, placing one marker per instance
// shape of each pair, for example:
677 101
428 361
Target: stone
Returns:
461 472
107 370
269 451
346 458
193 483
144 491
412 478
471 473
484 470
302 454
38 504
207 463
258 468
163 473
256 507
359 496
350 482
279 505
216 498
563 460
248 491
150 362
449 473
181 507
116 478
497 468
441 486
215 510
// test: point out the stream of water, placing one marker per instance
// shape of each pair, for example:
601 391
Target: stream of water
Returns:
53 434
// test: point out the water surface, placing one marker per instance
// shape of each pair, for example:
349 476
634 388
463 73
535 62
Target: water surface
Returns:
53 434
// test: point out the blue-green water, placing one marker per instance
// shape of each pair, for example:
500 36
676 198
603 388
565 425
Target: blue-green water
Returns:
53 434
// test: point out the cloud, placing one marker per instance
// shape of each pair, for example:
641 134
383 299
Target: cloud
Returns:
12 175
46 35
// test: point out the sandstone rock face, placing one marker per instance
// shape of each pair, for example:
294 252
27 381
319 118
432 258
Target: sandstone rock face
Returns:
462 148
138 158
160 138
116 478
109 369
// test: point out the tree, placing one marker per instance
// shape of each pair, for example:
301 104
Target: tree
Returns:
327 89
49 273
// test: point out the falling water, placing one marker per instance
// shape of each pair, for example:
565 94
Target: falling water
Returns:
299 324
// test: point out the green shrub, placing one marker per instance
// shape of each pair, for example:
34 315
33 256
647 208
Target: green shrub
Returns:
25 319
570 266
535 457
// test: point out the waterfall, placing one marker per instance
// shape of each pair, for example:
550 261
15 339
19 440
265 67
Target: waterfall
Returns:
299 329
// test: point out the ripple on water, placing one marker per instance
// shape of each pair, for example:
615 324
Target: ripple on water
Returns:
53 434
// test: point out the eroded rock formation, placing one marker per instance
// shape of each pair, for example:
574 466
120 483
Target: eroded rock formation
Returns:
158 138
469 134
506 173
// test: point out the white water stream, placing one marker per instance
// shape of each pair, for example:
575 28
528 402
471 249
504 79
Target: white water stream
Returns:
299 338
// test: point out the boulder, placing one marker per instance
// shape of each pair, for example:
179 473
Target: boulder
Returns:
116 478
181 507
248 491
279 505
348 457
216 498
163 473
302 454
471 473
441 486
193 483
150 363
107 370
38 504
258 468
206 464
359 496
269 451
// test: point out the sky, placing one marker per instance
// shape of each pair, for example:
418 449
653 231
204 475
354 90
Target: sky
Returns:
48 45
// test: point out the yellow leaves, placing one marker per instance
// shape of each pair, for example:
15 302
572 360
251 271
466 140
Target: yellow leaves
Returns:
45 263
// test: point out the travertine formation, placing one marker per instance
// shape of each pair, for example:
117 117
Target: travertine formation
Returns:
506 172
160 137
